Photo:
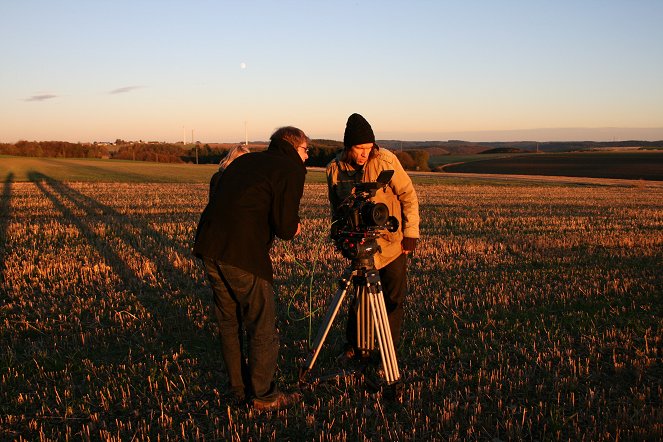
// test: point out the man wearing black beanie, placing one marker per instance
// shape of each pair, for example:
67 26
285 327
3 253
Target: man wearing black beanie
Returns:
362 160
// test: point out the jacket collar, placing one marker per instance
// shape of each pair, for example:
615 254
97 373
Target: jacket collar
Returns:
282 147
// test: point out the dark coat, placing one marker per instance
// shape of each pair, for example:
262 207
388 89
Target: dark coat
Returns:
255 199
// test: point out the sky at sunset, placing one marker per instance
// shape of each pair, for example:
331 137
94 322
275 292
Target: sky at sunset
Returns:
99 70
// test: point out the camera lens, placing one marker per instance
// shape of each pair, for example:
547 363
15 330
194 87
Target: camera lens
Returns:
375 214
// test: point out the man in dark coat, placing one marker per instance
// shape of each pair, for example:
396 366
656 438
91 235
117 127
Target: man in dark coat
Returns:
255 199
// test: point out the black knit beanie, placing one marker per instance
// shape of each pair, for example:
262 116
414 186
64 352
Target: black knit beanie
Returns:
357 131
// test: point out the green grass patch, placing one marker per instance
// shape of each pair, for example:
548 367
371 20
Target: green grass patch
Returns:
19 169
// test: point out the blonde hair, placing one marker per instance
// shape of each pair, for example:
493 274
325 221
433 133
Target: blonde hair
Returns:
232 155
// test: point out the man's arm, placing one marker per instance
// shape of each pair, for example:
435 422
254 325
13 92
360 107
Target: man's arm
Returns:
286 207
404 189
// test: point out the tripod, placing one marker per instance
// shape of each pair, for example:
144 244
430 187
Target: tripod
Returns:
372 318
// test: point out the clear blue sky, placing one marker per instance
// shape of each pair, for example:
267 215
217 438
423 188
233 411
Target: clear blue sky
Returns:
98 70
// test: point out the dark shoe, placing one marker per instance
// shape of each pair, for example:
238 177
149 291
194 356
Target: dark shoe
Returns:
282 400
373 377
346 357
372 366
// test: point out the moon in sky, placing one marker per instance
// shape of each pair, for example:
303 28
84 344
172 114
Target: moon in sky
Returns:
242 65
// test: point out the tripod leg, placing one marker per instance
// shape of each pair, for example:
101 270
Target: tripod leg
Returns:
388 338
327 323
365 339
383 332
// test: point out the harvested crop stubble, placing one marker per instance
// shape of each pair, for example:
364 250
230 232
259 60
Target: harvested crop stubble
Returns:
534 312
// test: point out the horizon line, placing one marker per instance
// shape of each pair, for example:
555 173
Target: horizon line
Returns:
542 135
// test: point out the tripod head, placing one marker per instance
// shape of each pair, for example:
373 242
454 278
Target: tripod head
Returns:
359 247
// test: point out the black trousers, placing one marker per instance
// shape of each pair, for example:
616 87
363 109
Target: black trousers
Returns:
394 288
245 303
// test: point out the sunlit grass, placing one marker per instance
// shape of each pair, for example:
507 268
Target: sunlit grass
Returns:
534 313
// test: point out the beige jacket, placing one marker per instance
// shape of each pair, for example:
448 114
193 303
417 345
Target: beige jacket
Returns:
398 195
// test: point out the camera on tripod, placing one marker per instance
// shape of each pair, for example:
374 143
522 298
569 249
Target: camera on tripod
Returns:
358 223
359 220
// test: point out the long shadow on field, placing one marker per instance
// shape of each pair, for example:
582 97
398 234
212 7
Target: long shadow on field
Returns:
147 240
170 321
5 213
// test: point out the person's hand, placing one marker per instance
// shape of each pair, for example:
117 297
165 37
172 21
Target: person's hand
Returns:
409 245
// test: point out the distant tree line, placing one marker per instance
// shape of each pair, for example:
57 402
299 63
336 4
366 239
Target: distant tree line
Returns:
321 152
204 154
54 149
136 151
414 160
160 153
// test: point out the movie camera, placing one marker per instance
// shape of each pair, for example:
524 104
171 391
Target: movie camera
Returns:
359 220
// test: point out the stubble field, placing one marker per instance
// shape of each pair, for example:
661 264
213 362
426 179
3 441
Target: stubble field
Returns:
534 312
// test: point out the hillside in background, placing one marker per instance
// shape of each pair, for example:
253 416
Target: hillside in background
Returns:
626 159
459 147
623 164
